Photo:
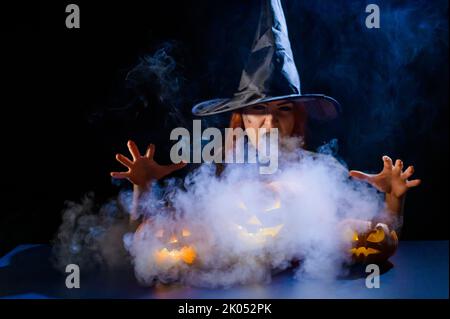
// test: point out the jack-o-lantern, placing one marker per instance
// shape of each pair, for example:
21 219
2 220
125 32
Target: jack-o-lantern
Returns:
375 245
175 244
259 223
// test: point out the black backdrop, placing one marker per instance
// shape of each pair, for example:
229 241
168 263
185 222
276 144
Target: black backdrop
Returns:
66 109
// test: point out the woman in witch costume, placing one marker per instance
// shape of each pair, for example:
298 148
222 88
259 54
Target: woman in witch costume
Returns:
268 97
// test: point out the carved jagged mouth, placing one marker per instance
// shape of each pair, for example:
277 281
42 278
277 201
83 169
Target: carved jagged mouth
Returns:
364 251
186 254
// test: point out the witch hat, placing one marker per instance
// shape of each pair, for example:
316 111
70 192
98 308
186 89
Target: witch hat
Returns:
270 73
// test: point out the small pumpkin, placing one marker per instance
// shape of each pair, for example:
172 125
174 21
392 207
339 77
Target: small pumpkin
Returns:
175 246
375 245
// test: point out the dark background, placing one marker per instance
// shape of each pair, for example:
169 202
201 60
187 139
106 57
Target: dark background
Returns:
67 109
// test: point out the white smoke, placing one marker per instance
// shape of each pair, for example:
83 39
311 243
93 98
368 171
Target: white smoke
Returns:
90 237
237 228
244 227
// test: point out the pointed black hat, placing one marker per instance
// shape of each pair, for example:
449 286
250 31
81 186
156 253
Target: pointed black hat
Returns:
270 73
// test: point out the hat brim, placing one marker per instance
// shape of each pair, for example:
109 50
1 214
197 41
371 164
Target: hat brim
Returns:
318 106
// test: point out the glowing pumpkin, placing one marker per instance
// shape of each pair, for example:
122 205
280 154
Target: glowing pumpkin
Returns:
375 245
259 223
175 243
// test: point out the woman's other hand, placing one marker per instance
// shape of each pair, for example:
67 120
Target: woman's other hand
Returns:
143 169
391 180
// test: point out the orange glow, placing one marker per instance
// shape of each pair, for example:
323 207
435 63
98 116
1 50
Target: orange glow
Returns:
185 233
187 254
173 240
377 236
365 251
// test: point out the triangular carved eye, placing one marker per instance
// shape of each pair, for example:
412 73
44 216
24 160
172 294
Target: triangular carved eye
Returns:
376 236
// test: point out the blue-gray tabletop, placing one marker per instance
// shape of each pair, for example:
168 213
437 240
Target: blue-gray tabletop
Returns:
419 269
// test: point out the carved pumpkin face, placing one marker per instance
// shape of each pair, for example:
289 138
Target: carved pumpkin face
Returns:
374 246
176 244
258 221
178 247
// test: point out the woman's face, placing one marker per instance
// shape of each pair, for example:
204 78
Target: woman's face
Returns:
277 114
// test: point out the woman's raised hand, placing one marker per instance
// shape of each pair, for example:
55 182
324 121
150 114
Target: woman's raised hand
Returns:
391 180
142 170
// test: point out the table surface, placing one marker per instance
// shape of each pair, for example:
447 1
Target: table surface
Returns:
419 269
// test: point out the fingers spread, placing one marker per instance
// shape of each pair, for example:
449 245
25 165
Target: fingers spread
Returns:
408 172
119 175
398 167
360 175
133 149
413 183
387 161
124 160
150 151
